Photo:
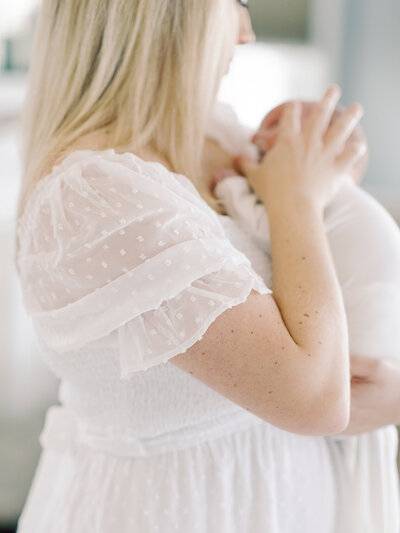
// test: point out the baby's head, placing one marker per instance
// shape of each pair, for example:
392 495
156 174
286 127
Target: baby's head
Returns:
267 133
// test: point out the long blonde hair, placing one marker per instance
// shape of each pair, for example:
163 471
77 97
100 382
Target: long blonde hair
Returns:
146 70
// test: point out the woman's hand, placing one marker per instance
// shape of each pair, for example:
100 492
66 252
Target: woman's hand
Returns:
375 394
267 134
305 164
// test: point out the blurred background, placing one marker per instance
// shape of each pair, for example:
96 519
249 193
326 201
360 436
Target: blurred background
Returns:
302 45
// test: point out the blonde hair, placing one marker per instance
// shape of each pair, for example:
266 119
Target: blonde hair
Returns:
145 70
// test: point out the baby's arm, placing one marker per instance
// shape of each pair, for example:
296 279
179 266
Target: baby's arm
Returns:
243 205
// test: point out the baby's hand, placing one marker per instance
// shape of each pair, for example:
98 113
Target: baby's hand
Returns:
266 135
222 174
227 172
241 204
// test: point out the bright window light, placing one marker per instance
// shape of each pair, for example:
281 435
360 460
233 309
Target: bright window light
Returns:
13 15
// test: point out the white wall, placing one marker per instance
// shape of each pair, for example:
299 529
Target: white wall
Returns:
362 41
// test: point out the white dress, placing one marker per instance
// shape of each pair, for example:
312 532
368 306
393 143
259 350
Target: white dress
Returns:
123 266
365 244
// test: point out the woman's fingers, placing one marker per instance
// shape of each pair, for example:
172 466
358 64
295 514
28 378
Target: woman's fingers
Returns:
245 165
322 113
343 128
290 123
350 156
265 141
364 367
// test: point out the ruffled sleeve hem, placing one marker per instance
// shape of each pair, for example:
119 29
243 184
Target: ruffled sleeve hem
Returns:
157 336
144 289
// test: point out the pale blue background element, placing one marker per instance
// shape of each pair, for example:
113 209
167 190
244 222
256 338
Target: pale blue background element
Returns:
362 41
371 74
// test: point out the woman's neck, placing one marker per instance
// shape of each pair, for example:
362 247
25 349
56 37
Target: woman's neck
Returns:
214 158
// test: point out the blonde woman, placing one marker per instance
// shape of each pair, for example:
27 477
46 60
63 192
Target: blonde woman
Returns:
193 398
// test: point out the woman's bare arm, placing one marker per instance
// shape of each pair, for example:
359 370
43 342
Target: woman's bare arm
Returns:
286 358
268 356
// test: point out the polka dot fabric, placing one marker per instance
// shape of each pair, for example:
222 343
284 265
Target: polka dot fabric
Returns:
111 242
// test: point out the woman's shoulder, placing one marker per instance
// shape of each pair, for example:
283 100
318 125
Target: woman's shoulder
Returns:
75 164
106 166
113 167
92 192
71 166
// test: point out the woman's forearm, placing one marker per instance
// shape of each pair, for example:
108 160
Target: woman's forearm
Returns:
308 294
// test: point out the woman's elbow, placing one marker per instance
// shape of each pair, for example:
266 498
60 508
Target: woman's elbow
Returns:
330 416
316 417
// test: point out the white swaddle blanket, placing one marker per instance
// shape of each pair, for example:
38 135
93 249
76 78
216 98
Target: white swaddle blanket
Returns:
365 244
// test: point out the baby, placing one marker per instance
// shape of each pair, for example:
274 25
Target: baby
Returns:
365 244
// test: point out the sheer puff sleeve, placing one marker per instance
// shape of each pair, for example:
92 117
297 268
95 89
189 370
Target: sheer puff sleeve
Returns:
110 243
